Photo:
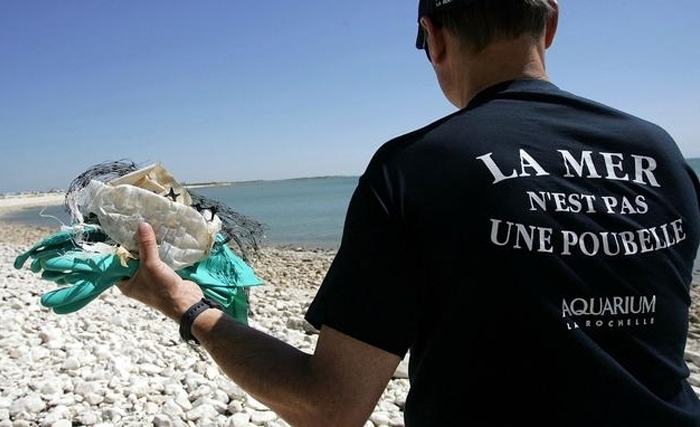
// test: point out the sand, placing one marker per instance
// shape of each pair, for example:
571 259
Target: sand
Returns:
28 200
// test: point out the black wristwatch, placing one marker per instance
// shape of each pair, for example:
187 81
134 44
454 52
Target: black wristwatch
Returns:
188 318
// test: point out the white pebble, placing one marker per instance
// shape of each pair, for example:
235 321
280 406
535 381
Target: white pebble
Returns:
161 420
262 417
239 420
71 363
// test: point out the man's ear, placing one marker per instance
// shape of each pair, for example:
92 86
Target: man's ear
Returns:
552 24
434 39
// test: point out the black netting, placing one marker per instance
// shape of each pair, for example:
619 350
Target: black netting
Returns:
238 229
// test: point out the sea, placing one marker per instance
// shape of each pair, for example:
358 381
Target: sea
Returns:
303 212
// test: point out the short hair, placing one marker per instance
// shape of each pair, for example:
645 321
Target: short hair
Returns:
482 22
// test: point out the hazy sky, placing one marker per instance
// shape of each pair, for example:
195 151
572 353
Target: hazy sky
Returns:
232 90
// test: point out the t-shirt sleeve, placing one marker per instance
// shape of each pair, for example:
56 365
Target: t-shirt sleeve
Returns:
370 291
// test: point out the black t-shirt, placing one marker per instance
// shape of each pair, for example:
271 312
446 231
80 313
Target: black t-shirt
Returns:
534 252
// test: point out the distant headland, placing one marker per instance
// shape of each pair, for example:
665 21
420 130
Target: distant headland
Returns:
207 184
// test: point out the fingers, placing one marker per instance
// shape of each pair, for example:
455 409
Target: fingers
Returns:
148 246
155 283
50 246
150 268
67 295
70 299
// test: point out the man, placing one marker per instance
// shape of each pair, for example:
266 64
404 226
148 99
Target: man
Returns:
532 250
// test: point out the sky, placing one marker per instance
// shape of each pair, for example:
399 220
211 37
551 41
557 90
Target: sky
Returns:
229 90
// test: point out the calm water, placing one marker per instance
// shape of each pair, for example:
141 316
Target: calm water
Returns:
302 212
305 212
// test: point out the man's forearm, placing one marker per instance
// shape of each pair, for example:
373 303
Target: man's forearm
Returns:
272 371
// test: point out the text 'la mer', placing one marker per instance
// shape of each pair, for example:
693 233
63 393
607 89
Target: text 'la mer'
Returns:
611 166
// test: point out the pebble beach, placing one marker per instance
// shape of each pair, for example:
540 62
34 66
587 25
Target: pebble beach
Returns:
119 363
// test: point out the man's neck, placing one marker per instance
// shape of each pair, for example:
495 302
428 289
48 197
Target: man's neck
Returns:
499 62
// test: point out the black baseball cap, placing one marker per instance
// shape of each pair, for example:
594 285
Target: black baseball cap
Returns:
428 7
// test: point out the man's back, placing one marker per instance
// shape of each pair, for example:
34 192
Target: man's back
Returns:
577 233
545 246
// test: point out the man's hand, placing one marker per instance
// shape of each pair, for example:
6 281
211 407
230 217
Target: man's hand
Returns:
157 285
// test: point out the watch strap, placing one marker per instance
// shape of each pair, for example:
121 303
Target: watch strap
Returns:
191 314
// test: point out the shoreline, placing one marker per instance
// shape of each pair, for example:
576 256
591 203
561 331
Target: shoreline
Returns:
31 200
14 202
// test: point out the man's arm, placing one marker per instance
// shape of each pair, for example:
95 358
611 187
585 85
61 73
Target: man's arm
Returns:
339 384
